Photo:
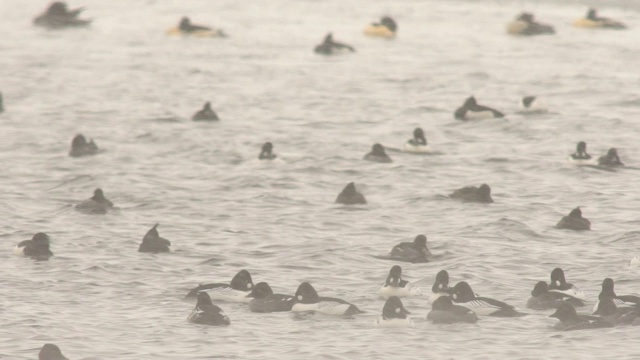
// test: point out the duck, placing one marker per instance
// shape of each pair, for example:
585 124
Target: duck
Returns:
570 320
542 299
377 154
350 196
561 289
607 292
263 300
205 114
611 159
236 291
153 243
443 311
609 313
440 286
574 221
206 313
97 204
1 104
529 105
186 28
37 247
80 147
580 157
418 144
267 152
394 315
525 24
470 110
593 21
386 28
396 286
58 16
481 194
330 47
413 252
307 299
51 352
482 306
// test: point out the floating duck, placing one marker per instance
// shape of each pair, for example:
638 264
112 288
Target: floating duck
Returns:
526 25
386 28
593 21
186 28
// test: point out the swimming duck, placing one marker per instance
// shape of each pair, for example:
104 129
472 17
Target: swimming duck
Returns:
611 159
206 114
51 352
594 21
610 313
440 286
186 28
480 194
482 306
526 25
57 16
153 243
37 247
561 289
418 144
542 299
236 291
470 110
574 221
206 313
443 311
329 47
570 320
607 292
265 301
307 299
396 286
414 252
529 105
80 147
266 152
377 154
97 204
394 315
386 28
580 157
350 196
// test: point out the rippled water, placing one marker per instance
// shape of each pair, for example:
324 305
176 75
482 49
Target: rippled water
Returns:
132 89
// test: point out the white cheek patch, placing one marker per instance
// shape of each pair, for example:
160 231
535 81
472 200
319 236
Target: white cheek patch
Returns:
397 310
299 297
440 286
557 282
249 286
455 296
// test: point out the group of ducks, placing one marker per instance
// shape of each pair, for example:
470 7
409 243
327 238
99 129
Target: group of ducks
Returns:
525 24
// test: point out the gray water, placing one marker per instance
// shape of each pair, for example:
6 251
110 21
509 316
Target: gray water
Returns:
133 89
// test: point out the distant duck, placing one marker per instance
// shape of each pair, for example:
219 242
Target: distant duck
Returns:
580 157
574 221
265 301
440 286
330 47
542 299
396 286
80 147
610 159
394 315
618 300
480 194
153 243
418 144
526 25
206 313
307 299
386 28
570 320
470 110
561 289
1 104
594 21
414 252
51 352
97 204
206 114
613 315
463 294
377 154
57 16
186 28
531 105
443 311
350 196
37 247
266 152
236 291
